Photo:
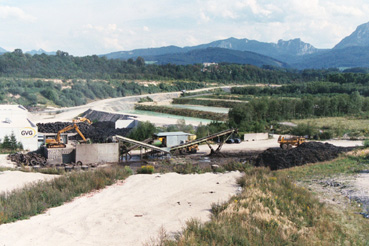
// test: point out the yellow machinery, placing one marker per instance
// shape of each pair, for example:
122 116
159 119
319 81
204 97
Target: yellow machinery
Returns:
170 139
287 143
82 119
57 142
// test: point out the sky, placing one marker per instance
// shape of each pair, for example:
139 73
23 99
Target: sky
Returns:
87 27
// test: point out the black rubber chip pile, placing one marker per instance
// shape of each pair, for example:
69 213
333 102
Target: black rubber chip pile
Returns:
309 152
99 132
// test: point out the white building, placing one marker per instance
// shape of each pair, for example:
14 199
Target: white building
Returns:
15 119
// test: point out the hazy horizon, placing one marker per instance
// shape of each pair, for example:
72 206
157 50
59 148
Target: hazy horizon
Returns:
95 27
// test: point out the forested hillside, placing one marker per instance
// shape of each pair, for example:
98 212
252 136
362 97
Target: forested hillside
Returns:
64 80
64 66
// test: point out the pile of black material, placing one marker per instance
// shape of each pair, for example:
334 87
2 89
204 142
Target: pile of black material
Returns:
99 132
309 152
29 159
104 116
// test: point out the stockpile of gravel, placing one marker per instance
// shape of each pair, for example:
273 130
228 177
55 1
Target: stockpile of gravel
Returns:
99 132
309 152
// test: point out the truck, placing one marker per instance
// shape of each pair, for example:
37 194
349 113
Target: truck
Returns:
288 143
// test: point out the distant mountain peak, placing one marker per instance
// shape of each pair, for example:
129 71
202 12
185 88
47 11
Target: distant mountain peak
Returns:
296 46
2 50
39 52
360 37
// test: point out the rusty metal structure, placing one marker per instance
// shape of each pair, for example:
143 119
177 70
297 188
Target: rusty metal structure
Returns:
180 148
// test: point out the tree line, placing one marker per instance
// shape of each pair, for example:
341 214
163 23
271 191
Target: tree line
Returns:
63 65
310 88
256 115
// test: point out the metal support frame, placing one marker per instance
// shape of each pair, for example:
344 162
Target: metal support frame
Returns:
205 139
138 144
217 151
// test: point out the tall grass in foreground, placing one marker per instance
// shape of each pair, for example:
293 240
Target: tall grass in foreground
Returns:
271 210
36 198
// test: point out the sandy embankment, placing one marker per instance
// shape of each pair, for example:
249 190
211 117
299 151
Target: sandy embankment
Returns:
128 213
11 180
4 162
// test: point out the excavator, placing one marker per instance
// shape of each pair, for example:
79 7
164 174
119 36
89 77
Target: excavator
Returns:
57 142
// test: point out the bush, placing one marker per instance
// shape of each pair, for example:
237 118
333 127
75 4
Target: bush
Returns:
305 130
271 210
146 169
38 197
326 135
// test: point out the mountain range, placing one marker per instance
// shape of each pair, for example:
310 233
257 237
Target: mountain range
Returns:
32 52
352 51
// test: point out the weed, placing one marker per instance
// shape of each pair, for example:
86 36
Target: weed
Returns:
146 169
36 198
271 210
343 165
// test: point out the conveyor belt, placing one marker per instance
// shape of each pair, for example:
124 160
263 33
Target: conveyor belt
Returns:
204 139
142 144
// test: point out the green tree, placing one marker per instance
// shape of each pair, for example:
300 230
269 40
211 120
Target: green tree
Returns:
6 142
13 142
140 62
143 131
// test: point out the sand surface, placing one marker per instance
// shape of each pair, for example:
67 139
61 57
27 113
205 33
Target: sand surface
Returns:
265 144
4 162
10 180
127 213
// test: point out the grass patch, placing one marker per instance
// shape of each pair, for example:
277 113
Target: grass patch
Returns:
340 125
2 169
342 165
187 167
271 210
38 197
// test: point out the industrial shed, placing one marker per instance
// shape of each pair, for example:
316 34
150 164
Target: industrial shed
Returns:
15 119
173 138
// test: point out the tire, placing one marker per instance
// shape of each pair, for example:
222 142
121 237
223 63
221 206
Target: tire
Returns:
284 146
33 162
79 163
289 146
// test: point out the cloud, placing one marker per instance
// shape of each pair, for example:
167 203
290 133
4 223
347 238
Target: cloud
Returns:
7 12
112 43
97 27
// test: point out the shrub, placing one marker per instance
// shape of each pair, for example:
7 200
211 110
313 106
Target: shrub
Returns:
271 210
146 169
38 197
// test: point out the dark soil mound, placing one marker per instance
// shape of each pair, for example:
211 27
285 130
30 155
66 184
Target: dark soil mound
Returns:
99 132
309 152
